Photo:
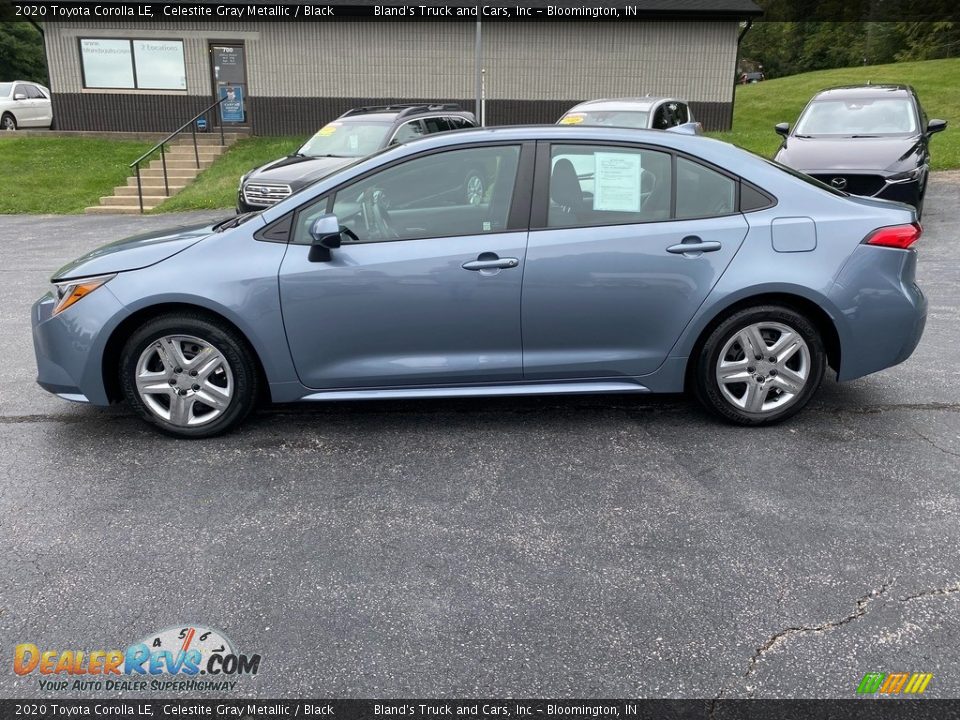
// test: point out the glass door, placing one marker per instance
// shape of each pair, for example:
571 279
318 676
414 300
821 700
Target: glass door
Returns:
229 71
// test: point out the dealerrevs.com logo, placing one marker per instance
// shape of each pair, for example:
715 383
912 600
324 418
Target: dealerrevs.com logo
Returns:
185 658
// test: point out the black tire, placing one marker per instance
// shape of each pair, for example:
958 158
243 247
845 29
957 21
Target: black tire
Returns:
8 122
707 388
230 344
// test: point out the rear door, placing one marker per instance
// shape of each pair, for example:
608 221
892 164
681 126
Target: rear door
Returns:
617 264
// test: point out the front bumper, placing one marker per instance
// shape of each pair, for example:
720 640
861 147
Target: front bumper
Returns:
884 311
69 346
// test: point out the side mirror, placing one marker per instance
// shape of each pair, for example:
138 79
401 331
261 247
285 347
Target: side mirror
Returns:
325 233
19 96
782 129
935 126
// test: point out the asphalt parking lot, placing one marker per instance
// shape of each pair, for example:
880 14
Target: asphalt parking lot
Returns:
592 547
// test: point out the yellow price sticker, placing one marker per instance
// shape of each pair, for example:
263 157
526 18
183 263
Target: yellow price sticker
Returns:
327 130
572 119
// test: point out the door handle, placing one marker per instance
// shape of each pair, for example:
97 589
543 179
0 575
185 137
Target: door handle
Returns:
692 246
491 264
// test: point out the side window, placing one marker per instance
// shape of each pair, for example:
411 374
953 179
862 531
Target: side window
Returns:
34 93
596 185
682 116
407 132
20 90
458 192
661 119
702 192
459 123
436 125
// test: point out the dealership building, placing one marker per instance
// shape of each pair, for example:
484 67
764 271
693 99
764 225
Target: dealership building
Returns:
291 77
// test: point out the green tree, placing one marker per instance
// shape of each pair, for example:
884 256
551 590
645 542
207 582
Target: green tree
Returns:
21 53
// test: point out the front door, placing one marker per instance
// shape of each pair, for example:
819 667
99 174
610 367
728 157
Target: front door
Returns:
428 292
228 69
618 268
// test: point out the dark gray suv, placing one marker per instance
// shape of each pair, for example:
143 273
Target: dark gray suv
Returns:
355 134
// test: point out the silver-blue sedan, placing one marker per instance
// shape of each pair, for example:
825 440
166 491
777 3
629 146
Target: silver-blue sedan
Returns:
598 260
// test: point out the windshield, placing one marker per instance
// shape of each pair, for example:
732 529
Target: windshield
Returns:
858 117
610 118
346 139
5 89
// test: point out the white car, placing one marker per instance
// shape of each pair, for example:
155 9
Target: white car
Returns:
658 113
24 104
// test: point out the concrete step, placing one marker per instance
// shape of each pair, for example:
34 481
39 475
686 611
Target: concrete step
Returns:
131 190
176 162
122 200
157 181
115 209
172 173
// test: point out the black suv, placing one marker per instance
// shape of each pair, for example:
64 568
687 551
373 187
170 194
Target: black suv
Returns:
355 134
871 140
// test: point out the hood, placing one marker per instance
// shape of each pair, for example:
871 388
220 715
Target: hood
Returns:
836 154
134 252
298 171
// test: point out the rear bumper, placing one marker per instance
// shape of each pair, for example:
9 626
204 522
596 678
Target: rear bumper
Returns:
884 311
69 346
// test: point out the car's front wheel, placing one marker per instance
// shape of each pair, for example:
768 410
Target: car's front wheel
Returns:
760 365
8 122
189 376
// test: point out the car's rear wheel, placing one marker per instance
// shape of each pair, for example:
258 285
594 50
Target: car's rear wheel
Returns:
8 122
760 365
189 376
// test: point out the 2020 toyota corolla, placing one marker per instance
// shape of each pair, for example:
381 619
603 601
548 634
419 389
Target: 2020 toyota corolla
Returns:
599 260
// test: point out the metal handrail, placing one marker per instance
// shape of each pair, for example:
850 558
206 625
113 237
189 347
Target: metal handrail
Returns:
163 157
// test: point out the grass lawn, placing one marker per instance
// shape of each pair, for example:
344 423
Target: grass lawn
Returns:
216 187
761 106
61 175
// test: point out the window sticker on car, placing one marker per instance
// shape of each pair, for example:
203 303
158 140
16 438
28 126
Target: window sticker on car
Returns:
574 119
617 182
327 130
354 142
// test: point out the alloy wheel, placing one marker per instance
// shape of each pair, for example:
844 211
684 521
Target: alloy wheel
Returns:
474 190
184 380
763 367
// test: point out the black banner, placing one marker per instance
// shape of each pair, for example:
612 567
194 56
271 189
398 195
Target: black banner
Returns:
494 11
854 709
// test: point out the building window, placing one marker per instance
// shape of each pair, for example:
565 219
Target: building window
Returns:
133 64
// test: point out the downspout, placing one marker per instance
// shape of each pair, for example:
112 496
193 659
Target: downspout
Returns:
736 65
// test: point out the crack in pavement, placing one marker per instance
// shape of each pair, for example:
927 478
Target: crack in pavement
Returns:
860 610
934 444
781 637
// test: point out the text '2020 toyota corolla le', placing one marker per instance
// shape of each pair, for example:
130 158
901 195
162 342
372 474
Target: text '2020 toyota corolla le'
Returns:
599 260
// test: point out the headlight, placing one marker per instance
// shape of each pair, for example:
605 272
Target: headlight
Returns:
70 291
905 177
243 179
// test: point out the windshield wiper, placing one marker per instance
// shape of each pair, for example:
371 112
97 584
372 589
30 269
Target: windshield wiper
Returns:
235 220
864 136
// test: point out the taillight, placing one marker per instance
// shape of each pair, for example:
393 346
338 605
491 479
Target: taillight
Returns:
895 236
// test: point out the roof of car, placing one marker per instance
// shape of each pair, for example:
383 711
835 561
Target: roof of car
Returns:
635 103
866 91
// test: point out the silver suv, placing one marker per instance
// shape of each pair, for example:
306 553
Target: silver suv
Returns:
656 113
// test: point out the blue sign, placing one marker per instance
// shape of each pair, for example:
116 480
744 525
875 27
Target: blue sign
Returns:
231 109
